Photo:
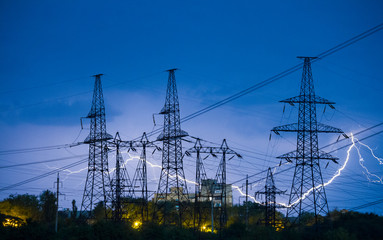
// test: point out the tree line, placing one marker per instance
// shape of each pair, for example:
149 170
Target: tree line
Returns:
33 217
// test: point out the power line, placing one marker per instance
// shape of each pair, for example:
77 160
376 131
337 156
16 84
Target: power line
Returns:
68 96
278 76
45 161
38 149
44 175
362 131
355 134
258 85
367 205
39 86
347 145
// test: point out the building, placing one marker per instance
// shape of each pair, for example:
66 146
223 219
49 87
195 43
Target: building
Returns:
172 195
210 190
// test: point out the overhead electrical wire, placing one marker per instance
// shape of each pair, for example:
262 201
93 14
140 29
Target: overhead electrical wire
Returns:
38 149
367 205
73 95
273 78
344 146
278 76
45 161
211 107
355 134
44 175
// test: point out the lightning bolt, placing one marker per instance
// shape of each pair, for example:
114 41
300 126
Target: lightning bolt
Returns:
304 196
367 173
153 165
172 176
380 160
131 158
338 173
76 171
66 170
244 194
307 193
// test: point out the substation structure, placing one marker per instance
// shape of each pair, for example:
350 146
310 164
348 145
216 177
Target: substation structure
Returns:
206 190
171 203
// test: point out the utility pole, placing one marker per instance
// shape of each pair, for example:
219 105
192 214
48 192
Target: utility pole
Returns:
97 185
57 199
307 175
246 202
172 177
212 209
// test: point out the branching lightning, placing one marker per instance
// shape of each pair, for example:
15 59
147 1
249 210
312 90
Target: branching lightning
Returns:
305 195
337 174
367 173
131 158
244 194
380 160
172 176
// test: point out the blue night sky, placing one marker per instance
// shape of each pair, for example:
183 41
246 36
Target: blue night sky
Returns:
49 50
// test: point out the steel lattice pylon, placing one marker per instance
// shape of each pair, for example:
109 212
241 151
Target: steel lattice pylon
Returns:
121 184
219 183
199 178
307 175
270 199
97 186
140 179
172 187
220 177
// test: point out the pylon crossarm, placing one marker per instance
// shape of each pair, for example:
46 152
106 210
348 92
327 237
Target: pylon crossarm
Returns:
301 99
293 127
322 128
288 156
214 150
327 156
172 135
132 145
293 156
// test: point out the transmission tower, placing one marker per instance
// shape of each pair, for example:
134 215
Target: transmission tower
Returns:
219 184
199 178
97 185
270 193
172 185
140 179
121 184
307 178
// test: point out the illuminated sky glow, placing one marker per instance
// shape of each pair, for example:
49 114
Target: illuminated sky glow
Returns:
220 48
